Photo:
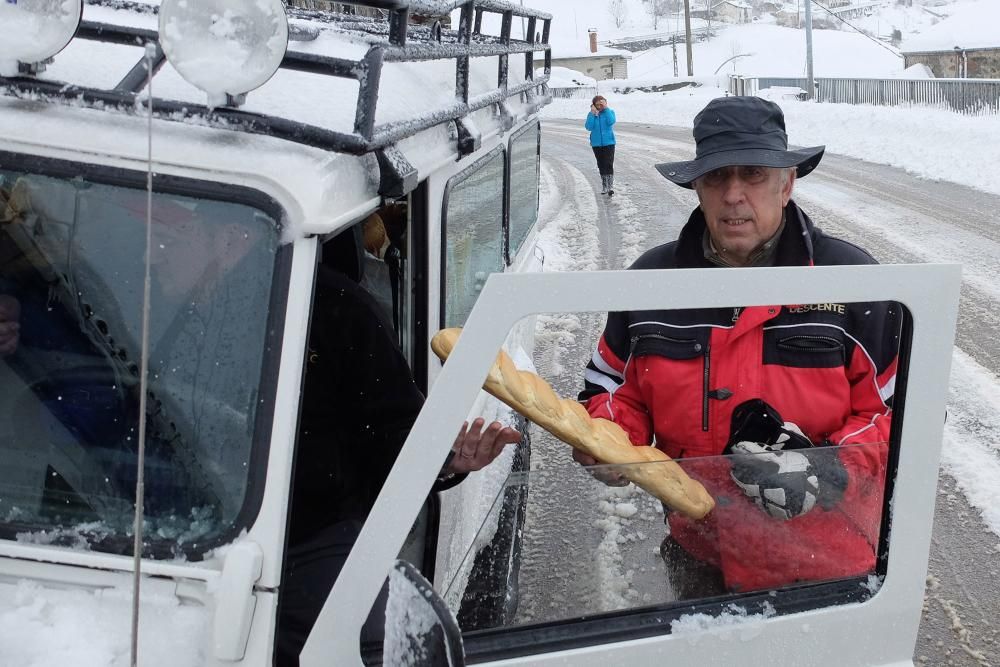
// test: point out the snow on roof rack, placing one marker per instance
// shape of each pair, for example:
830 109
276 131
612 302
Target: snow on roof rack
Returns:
393 40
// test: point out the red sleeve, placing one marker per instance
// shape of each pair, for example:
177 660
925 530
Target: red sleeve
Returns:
623 405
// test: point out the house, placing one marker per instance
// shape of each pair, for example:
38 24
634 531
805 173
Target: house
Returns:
730 11
961 45
597 62
733 11
958 62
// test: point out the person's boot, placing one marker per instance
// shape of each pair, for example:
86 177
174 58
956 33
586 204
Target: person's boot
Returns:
611 184
604 184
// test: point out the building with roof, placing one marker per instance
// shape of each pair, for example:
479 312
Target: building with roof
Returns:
962 45
958 63
729 11
596 61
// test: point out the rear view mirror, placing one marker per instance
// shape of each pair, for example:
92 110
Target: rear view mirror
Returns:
420 631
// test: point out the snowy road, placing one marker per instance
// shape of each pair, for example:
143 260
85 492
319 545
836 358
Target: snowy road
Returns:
899 219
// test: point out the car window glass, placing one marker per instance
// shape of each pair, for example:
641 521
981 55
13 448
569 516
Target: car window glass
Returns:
473 235
616 551
803 508
73 251
524 168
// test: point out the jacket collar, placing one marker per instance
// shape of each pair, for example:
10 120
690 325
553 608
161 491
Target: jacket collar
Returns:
795 246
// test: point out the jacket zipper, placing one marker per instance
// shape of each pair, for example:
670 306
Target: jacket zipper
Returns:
705 392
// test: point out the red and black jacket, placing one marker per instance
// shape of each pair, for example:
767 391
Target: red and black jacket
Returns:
673 378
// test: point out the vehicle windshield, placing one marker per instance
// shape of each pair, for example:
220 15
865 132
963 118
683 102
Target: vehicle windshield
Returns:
71 278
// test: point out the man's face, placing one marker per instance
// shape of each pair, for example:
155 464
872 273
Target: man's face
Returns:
601 104
743 207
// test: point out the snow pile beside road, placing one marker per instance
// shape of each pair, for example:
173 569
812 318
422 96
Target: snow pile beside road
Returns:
931 143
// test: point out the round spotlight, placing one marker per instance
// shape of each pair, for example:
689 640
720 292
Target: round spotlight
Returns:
224 47
35 30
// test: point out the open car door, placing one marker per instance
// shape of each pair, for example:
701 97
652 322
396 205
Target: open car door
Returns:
801 616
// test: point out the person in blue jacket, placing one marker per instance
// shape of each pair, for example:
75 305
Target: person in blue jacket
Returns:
600 122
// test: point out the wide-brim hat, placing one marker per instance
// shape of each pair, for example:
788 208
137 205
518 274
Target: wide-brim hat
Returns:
740 131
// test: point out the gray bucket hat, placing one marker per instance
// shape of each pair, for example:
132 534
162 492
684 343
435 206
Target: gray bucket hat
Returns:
740 131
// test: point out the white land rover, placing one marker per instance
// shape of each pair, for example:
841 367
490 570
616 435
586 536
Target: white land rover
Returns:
174 177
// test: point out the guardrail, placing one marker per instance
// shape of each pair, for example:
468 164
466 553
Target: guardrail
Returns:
573 92
967 96
645 42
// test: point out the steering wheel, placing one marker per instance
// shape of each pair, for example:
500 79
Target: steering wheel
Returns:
74 421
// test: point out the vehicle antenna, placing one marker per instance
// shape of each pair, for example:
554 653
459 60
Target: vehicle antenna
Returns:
144 365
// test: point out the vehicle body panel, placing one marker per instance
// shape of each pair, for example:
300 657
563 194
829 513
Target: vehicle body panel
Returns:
880 631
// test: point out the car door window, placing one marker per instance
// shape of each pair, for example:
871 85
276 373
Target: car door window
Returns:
525 162
787 514
473 234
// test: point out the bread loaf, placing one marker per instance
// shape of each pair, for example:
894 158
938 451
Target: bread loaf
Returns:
604 440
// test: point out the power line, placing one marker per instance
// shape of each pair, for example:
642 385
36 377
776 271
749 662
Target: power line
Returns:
853 27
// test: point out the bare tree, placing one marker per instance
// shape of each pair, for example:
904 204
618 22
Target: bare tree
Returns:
657 9
618 11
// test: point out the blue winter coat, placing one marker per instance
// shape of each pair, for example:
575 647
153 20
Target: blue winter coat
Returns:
600 126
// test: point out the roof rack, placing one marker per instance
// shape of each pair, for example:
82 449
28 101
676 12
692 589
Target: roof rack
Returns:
389 41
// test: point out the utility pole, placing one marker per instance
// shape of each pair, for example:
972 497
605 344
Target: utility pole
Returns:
810 82
687 36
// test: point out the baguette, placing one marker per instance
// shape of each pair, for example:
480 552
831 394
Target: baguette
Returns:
604 440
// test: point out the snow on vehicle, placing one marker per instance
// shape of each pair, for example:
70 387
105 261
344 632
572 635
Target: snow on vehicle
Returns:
255 183
251 194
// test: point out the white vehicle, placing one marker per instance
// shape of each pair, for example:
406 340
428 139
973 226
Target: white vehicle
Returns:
435 130
250 199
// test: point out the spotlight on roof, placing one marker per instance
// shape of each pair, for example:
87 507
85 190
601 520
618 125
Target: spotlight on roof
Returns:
34 31
225 48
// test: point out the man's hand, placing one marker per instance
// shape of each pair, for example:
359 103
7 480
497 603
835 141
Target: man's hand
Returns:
594 110
10 327
608 476
476 448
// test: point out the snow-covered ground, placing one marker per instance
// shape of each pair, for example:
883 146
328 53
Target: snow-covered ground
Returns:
931 143
952 147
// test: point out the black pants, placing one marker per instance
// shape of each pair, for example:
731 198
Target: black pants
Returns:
690 578
310 571
605 159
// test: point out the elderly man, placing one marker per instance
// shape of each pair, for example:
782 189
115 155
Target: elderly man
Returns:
796 502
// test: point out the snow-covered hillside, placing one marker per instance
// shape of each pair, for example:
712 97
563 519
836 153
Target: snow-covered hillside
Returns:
772 50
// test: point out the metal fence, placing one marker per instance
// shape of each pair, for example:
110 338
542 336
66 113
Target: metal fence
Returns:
968 96
573 92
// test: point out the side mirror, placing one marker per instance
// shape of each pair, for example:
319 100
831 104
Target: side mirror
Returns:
420 630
